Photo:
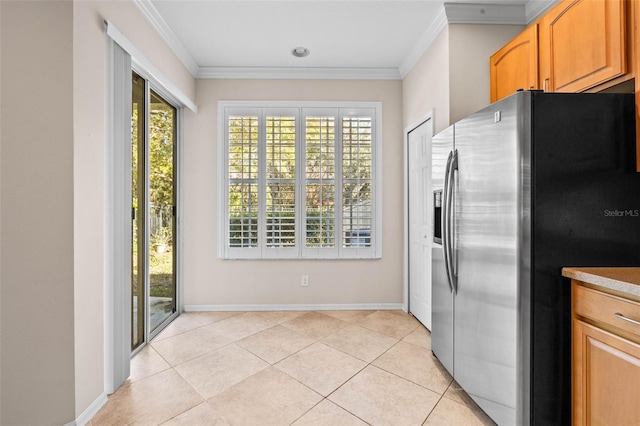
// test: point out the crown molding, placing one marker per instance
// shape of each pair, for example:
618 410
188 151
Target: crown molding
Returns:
423 43
166 33
477 13
450 13
291 73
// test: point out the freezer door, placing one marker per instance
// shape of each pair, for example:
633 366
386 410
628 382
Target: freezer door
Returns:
486 304
441 294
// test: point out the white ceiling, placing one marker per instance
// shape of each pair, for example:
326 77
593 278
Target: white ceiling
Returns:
347 38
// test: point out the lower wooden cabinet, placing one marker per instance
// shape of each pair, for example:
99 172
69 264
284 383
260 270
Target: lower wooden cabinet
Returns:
605 358
606 377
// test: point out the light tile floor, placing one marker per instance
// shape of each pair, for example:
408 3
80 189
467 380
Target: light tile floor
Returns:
330 368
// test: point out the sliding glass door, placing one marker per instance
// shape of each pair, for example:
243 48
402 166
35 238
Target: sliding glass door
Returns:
161 211
153 212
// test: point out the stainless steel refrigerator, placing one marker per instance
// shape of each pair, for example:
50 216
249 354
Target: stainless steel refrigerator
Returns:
521 189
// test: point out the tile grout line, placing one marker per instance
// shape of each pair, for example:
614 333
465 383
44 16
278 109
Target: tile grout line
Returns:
367 364
205 400
326 398
347 323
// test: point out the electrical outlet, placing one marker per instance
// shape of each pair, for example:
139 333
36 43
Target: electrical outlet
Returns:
305 281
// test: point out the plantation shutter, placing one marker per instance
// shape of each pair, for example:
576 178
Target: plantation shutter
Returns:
300 182
357 181
320 182
280 187
243 181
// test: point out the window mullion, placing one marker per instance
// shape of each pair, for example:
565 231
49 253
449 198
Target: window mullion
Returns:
262 181
301 163
338 189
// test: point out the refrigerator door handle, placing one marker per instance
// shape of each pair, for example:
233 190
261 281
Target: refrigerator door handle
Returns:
445 221
451 212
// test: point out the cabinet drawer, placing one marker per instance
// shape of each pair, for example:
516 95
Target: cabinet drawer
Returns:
607 309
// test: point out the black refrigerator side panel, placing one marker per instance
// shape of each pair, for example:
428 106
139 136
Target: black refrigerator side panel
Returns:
585 199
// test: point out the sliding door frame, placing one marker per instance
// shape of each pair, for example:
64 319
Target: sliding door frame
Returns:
117 234
152 85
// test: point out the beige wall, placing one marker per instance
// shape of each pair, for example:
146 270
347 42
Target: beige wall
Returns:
89 229
426 87
210 281
1 103
452 77
470 47
52 199
37 213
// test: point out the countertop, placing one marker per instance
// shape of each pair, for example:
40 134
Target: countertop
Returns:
619 280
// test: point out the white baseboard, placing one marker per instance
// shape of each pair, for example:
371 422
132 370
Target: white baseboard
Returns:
91 411
297 307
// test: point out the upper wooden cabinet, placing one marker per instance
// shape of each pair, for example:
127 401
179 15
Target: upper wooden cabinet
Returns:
577 46
582 44
515 66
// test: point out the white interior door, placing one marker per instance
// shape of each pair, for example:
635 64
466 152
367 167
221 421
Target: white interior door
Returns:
420 234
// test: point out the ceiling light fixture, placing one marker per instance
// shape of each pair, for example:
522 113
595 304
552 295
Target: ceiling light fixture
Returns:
300 52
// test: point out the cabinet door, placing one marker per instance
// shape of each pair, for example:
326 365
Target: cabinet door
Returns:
635 58
583 44
515 66
606 374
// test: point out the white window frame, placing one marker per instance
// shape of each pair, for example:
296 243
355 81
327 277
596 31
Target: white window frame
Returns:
301 110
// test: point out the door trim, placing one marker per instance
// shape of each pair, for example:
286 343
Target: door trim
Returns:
423 119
